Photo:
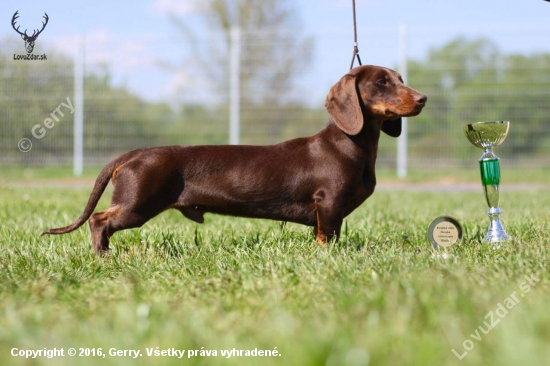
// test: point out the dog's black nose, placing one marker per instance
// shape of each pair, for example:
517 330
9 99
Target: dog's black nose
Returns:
421 99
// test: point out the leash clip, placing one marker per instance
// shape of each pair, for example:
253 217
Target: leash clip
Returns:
355 44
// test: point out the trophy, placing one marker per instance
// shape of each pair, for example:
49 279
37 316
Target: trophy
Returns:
487 135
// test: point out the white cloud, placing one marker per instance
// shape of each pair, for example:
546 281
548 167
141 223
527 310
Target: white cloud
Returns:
120 51
185 86
176 7
99 36
347 3
179 81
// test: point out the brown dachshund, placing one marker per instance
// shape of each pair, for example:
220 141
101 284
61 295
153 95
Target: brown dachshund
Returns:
315 181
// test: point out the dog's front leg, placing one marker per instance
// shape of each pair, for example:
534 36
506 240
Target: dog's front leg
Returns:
329 220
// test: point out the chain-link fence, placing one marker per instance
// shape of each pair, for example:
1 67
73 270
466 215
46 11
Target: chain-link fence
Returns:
280 95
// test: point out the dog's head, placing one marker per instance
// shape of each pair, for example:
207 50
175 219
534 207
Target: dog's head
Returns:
376 93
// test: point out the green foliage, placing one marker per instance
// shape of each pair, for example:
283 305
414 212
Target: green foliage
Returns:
472 80
115 119
466 81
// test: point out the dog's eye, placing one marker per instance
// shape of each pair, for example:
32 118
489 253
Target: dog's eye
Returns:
382 81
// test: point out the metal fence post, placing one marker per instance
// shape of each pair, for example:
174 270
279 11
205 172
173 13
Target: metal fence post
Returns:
402 141
234 86
78 143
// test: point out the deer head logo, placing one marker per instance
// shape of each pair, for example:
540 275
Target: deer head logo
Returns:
29 40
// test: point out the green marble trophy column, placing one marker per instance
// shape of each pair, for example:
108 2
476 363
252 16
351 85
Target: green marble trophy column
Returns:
487 135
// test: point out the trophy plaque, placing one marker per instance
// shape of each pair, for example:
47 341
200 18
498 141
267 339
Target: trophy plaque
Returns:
487 135
444 232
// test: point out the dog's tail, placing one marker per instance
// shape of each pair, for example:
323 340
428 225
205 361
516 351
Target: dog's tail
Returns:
101 183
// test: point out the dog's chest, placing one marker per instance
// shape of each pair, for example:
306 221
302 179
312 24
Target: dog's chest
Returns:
358 190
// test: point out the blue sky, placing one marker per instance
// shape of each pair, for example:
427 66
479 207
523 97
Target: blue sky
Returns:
133 36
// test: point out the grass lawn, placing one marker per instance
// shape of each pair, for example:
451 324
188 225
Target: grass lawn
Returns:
378 297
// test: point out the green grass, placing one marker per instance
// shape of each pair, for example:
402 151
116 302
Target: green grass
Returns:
378 297
27 174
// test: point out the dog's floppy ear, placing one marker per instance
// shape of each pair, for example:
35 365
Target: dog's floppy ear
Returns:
392 127
343 105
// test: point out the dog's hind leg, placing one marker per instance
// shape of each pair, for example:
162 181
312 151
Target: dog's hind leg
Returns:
104 224
98 227
140 194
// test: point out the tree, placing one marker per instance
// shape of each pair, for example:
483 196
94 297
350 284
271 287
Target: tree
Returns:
472 80
115 120
272 51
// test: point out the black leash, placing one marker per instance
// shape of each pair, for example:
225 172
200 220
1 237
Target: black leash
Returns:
355 48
